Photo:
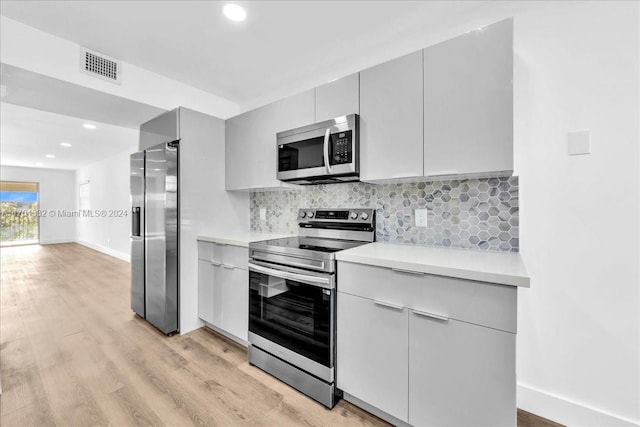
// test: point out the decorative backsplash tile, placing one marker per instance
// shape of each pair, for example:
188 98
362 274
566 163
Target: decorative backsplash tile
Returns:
470 213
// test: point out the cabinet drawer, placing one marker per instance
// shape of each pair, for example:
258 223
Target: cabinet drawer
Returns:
209 251
235 256
479 303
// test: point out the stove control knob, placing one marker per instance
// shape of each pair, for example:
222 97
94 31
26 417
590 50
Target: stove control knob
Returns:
303 214
310 214
364 216
354 215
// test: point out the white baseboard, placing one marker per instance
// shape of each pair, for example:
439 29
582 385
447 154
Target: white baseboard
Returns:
566 412
105 250
55 242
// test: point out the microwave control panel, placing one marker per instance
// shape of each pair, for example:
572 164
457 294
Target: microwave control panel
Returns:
342 151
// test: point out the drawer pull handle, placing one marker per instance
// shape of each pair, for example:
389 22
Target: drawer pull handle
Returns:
215 264
400 270
228 267
430 315
388 305
219 244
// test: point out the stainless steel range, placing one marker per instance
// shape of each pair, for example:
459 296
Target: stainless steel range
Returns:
292 299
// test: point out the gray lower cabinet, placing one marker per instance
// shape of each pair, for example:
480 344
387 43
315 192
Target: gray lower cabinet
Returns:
223 288
372 353
460 374
338 98
427 350
391 119
235 302
206 273
468 103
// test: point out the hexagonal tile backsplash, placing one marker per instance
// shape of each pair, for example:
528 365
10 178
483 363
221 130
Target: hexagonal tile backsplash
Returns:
470 213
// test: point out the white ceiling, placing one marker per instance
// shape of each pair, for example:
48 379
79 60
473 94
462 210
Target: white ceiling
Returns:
282 46
33 90
28 135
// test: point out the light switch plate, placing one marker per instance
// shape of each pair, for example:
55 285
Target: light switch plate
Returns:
579 143
421 217
263 214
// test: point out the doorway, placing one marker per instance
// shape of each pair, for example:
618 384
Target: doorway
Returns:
19 208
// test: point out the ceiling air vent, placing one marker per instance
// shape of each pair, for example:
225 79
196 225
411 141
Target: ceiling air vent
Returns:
101 66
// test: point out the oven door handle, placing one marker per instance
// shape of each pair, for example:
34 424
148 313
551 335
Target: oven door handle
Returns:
327 134
324 282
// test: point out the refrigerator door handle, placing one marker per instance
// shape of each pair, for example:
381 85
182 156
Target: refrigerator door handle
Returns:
135 222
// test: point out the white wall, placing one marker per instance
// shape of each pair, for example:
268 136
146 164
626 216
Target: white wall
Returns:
576 67
109 190
57 191
205 207
34 50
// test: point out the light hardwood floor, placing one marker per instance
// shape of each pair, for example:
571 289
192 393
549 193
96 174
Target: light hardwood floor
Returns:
72 353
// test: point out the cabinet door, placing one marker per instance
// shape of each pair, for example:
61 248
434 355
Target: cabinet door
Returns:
237 152
468 103
261 164
209 292
205 290
338 98
293 111
391 119
235 302
460 374
372 356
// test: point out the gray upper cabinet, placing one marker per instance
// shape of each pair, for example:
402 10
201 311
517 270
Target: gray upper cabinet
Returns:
391 119
338 98
250 149
251 141
440 112
294 111
468 103
237 147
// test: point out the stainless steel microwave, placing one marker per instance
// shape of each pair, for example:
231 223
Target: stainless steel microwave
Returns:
321 153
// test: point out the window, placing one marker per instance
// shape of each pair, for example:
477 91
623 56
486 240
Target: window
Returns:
19 221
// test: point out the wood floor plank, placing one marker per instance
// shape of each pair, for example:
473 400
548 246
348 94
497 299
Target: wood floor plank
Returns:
73 353
16 354
134 406
11 321
37 413
70 399
20 388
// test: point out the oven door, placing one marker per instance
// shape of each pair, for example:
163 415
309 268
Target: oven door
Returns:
292 314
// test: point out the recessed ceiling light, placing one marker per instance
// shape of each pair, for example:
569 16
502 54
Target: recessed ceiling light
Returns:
65 144
234 12
88 126
39 164
50 156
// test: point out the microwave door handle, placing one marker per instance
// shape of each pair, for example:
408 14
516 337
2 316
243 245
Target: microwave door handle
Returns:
327 134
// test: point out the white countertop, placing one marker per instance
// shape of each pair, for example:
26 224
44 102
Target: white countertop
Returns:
486 266
241 239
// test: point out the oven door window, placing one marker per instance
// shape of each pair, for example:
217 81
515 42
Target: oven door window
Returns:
292 314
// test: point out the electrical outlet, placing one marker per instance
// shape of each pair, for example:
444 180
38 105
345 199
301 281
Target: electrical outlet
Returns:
263 214
421 217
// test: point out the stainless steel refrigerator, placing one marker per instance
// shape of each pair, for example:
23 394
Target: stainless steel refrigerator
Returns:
154 234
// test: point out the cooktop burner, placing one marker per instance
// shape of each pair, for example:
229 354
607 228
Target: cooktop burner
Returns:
322 233
313 243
